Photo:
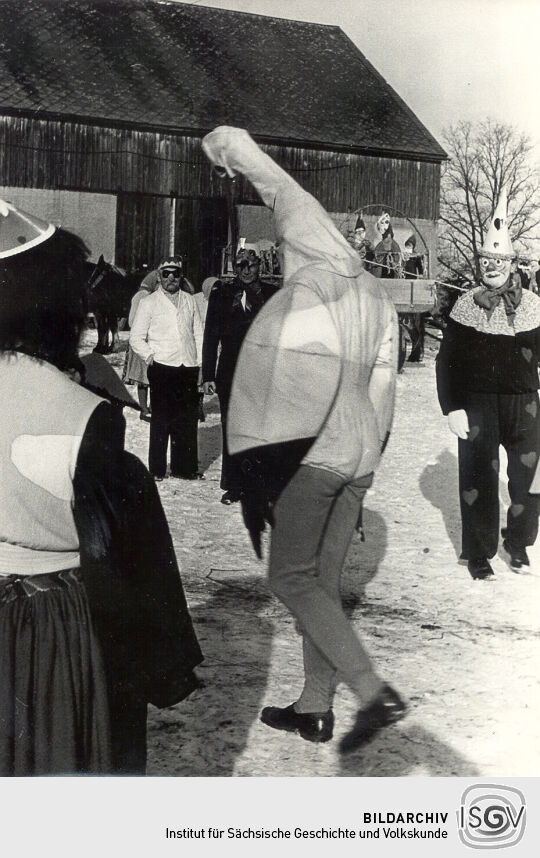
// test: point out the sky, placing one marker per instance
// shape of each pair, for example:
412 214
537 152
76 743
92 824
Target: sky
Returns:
450 60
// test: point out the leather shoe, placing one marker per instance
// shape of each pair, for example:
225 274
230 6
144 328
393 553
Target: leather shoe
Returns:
312 726
518 555
387 708
480 568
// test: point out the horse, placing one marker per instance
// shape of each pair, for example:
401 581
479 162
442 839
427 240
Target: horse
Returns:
109 293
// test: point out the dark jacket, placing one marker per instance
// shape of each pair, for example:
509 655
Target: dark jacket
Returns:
227 323
487 359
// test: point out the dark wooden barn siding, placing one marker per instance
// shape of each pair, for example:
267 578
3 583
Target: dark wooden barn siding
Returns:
69 155
143 224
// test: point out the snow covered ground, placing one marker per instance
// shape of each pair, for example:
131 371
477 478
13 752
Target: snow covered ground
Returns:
465 653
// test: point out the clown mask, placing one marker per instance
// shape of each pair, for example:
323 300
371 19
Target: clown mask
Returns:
383 223
495 271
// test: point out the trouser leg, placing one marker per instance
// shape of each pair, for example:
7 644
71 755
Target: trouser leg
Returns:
142 396
479 478
184 423
231 473
520 430
159 379
308 547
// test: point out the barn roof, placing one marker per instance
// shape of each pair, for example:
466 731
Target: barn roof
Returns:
187 68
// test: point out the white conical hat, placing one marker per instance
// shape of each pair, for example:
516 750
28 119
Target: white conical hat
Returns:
497 243
19 231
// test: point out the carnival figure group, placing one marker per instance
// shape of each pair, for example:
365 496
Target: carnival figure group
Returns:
93 619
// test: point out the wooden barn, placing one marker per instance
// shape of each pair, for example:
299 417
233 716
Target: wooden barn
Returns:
103 104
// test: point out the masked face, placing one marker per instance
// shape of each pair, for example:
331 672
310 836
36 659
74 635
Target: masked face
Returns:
170 277
383 223
495 272
247 267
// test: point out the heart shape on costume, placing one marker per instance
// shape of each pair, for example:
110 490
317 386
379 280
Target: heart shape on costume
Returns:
470 496
473 432
516 509
528 459
527 354
532 408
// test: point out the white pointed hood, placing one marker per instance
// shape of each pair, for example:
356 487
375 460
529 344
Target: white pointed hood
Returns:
20 231
305 232
497 242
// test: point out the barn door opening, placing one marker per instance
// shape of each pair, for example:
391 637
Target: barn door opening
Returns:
142 230
145 226
200 235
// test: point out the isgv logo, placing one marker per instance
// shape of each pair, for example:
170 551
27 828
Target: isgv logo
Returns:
491 816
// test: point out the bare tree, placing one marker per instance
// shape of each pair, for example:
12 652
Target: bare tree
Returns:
483 158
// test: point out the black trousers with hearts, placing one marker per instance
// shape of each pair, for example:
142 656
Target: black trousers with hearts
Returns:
513 422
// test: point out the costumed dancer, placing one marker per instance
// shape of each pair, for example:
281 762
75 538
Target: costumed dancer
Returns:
232 307
93 619
487 378
311 408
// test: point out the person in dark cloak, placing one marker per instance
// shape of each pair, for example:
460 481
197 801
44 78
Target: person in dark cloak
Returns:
232 307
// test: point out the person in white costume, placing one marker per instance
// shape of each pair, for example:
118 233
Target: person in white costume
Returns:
311 409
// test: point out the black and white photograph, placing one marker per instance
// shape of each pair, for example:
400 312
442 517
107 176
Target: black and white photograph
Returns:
270 436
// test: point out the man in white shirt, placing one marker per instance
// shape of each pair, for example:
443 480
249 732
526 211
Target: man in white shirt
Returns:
167 335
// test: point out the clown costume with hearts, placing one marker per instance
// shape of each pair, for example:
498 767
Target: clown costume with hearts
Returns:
487 380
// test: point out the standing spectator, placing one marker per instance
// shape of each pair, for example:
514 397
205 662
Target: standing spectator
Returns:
416 322
93 620
311 409
487 379
167 335
232 308
134 367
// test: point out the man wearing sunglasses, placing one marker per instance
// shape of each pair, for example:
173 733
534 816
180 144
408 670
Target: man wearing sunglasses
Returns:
167 335
231 310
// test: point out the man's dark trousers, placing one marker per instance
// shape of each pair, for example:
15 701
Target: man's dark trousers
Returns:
231 472
175 408
513 421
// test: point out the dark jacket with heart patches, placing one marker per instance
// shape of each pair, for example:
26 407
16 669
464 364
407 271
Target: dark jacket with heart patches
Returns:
484 352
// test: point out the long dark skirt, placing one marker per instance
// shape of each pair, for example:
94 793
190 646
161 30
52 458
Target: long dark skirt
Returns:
53 704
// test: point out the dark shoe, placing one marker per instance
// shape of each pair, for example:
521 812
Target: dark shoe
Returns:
518 555
145 415
480 569
158 479
386 709
196 476
230 497
312 726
